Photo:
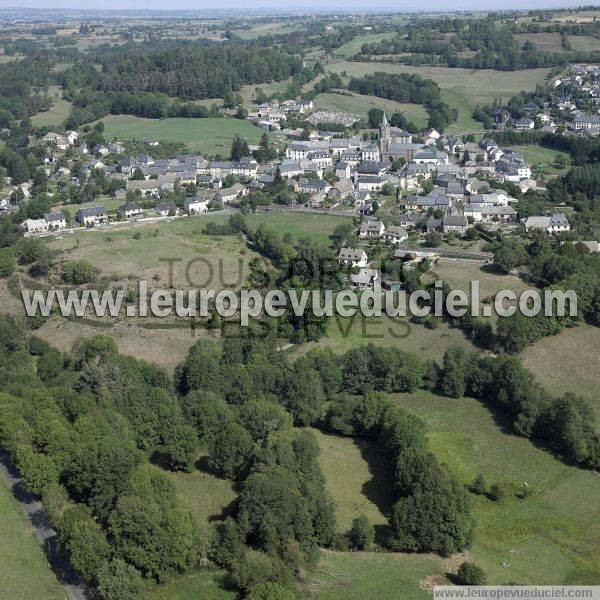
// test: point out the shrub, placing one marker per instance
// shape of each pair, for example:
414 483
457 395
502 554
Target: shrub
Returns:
471 574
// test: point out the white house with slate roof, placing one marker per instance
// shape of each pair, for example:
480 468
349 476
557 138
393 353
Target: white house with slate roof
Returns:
556 223
55 221
91 216
353 257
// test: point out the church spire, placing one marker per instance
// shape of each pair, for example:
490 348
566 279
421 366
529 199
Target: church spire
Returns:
384 121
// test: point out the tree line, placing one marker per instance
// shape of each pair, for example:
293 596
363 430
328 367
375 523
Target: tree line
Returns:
404 87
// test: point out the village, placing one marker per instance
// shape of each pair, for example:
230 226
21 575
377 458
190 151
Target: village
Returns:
428 187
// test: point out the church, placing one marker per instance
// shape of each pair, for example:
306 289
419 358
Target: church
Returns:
395 143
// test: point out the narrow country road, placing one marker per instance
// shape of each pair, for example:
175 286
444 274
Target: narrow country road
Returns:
47 537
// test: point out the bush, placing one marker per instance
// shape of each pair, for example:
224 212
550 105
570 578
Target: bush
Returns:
78 272
478 486
7 262
470 574
361 534
271 591
496 493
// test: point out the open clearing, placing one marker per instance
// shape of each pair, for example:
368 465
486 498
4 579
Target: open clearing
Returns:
352 47
584 43
569 362
119 253
550 537
542 159
462 89
355 473
206 136
25 571
208 497
459 274
58 113
359 104
346 333
206 584
384 576
549 42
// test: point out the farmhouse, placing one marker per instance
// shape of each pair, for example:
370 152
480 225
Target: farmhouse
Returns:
365 279
486 213
229 194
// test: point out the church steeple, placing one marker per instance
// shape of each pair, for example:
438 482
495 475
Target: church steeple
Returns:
385 136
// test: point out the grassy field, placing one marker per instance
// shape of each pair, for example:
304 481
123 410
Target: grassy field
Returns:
207 496
58 112
315 227
248 91
353 46
346 333
569 362
549 42
461 88
359 104
548 538
584 43
117 252
206 584
125 259
543 157
355 474
580 16
459 274
25 571
208 136
367 575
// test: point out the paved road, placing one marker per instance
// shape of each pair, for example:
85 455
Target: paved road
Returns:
46 536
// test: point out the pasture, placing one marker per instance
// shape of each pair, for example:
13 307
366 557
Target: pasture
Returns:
462 89
459 274
355 474
568 362
58 113
585 43
346 333
25 571
543 158
136 252
385 576
353 47
359 104
208 497
207 584
548 42
205 136
548 538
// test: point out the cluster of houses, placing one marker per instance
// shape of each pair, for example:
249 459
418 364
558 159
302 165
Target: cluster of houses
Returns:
574 103
272 115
